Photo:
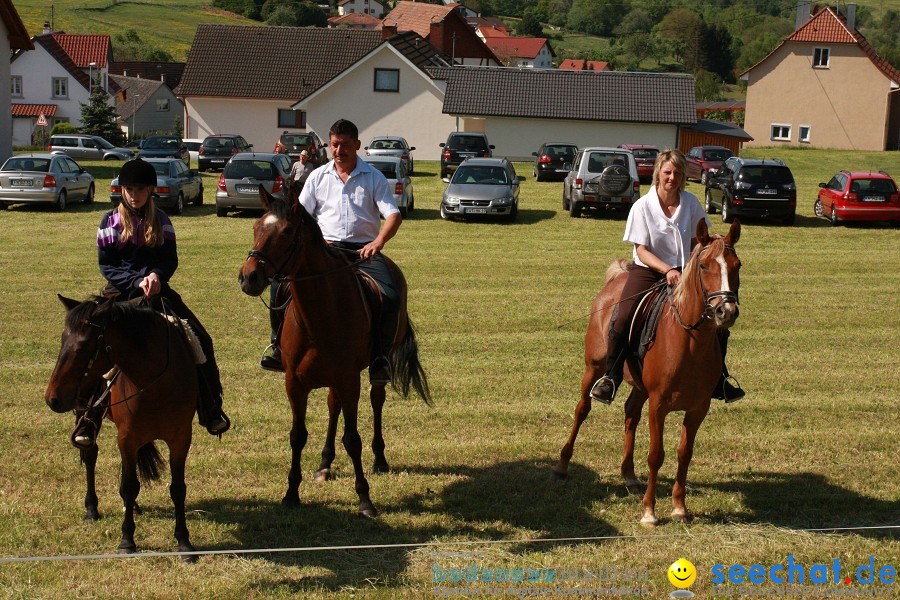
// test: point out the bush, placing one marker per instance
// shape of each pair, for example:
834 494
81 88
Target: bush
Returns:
63 127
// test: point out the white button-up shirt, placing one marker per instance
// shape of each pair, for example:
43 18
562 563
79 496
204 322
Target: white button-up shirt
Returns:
351 211
669 238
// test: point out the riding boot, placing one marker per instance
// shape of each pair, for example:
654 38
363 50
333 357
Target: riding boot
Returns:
605 388
209 407
87 423
382 340
277 298
724 389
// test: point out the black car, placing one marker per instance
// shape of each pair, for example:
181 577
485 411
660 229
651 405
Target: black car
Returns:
293 144
460 146
165 146
217 150
553 160
752 188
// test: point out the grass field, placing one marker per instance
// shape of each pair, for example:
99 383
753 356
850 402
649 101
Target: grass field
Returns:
815 445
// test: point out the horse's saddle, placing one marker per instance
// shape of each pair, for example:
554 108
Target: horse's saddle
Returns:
644 323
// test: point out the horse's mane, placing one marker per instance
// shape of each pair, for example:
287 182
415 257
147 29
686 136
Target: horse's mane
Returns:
133 317
681 295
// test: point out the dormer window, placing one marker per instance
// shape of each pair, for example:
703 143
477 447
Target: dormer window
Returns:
820 58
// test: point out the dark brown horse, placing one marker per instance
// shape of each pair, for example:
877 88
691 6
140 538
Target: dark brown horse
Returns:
325 337
680 369
153 397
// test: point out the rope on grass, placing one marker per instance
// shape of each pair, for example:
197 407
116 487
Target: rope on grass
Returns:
240 551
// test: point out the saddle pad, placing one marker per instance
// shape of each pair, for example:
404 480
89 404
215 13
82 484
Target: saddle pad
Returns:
191 337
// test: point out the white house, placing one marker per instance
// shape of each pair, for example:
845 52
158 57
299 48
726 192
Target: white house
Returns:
364 7
13 36
54 80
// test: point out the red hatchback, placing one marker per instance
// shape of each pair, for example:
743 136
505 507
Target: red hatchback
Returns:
645 157
859 196
703 159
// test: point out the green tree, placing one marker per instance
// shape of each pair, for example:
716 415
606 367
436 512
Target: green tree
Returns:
129 46
530 25
715 51
596 17
558 12
98 117
707 86
636 21
683 26
294 14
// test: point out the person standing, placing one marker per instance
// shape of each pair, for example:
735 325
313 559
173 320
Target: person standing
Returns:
301 169
661 226
349 198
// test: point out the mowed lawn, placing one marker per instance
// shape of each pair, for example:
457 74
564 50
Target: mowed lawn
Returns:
815 444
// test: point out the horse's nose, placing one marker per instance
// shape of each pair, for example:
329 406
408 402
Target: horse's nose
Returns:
252 283
726 314
54 402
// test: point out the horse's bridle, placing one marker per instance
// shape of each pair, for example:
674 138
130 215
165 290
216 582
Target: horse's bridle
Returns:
708 297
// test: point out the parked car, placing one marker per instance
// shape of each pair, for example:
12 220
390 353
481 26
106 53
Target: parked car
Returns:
175 184
703 159
645 157
393 168
86 147
134 146
553 160
392 146
601 178
460 146
482 187
217 150
165 146
859 196
746 187
193 146
240 180
46 178
293 144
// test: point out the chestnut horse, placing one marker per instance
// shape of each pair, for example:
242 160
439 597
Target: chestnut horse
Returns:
152 397
681 367
325 336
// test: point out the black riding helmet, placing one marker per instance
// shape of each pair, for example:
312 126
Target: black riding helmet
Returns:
137 172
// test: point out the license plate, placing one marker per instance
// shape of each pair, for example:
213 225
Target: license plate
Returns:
466 154
865 198
21 182
476 211
767 192
217 160
247 189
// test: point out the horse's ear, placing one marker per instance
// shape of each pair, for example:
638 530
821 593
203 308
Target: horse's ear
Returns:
68 302
294 194
265 197
703 233
734 233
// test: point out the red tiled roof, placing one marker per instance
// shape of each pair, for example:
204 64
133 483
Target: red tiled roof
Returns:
491 31
417 16
825 27
84 49
50 42
574 64
33 110
355 20
516 46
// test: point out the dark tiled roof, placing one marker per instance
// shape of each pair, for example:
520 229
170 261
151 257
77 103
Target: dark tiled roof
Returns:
554 94
719 128
137 92
246 61
167 72
419 51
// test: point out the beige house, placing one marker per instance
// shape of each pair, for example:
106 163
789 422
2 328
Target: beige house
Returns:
13 36
824 86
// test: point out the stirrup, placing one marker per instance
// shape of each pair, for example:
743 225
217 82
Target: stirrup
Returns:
269 362
596 389
85 434
220 426
380 371
736 390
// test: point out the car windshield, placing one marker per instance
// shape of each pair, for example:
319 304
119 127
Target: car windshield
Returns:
765 174
296 140
566 153
217 143
161 143
386 145
41 165
103 143
388 169
872 186
597 161
255 169
717 154
645 153
467 143
481 175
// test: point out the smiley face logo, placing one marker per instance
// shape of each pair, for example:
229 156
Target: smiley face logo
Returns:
682 573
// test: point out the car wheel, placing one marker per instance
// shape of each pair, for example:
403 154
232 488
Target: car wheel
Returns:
703 177
727 217
199 199
412 203
817 208
565 200
444 214
443 172
404 211
221 212
834 217
709 204
61 201
90 194
574 209
179 204
513 212
108 157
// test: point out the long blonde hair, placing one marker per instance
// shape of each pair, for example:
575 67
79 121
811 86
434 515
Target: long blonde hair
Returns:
153 233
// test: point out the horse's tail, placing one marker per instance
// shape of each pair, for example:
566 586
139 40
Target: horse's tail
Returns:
407 370
620 265
150 464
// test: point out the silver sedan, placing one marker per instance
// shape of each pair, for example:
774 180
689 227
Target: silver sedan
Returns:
44 178
389 145
485 187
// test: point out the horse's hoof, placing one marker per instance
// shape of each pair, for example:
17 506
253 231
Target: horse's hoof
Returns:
323 475
91 516
560 473
368 512
649 521
381 468
126 548
634 486
682 516
290 502
189 559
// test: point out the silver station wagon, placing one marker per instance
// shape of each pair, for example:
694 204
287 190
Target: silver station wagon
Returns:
239 182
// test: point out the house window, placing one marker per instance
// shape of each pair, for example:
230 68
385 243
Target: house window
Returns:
162 105
804 134
387 80
781 132
60 87
291 118
820 58
16 85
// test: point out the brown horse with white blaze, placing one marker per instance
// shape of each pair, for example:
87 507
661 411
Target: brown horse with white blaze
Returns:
326 335
681 367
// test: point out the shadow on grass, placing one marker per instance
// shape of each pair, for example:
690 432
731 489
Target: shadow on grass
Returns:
495 502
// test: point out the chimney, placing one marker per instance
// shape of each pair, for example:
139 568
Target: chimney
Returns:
436 35
802 13
388 31
851 17
46 29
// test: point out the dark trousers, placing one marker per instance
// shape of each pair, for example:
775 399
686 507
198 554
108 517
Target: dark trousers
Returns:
640 279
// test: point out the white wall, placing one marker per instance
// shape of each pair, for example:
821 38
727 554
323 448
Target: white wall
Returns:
256 120
413 113
516 139
6 122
